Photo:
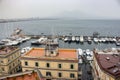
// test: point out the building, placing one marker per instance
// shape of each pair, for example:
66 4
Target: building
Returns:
28 75
54 63
9 60
106 64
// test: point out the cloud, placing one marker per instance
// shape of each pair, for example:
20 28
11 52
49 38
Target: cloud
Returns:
60 8
118 1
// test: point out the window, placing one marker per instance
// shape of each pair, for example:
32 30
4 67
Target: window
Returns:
15 55
18 60
1 61
71 66
8 60
48 65
9 67
3 69
36 64
72 75
48 73
26 63
13 64
59 66
59 74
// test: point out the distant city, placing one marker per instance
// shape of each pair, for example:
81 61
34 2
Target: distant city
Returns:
24 19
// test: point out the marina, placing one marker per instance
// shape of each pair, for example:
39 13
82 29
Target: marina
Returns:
79 39
42 39
59 40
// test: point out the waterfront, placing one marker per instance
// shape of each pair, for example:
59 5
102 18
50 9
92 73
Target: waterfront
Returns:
65 27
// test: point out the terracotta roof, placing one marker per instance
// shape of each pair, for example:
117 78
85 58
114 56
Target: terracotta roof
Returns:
28 75
110 63
62 53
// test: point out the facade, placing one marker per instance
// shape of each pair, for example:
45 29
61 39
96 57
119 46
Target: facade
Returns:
28 75
106 64
9 60
53 63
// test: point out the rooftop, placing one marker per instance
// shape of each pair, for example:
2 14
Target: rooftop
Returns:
62 53
28 75
4 50
109 61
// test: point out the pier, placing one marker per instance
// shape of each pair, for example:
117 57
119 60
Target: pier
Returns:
82 38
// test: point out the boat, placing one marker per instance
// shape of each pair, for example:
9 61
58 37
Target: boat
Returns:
103 40
95 40
77 39
65 39
52 42
36 42
81 39
73 38
2 43
117 43
89 55
12 43
89 40
17 31
40 41
26 49
80 52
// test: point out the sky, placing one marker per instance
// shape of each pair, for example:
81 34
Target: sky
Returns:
73 9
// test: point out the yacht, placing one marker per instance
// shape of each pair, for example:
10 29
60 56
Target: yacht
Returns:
53 42
2 43
117 43
65 39
17 31
36 42
95 40
89 40
73 38
81 39
12 43
26 49
77 39
40 41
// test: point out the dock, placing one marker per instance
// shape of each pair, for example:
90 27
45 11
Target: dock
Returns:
82 38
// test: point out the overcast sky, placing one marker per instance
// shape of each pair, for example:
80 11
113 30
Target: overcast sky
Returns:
78 9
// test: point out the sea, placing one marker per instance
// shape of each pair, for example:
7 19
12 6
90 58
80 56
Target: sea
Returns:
64 27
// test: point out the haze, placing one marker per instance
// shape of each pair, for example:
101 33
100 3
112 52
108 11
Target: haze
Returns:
75 9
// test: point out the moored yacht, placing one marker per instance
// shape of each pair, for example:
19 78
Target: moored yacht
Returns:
73 38
81 39
95 40
77 39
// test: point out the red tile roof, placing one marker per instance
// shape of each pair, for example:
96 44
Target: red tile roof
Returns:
29 75
62 53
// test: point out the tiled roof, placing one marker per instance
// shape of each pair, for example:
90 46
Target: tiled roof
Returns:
6 50
62 53
28 75
109 62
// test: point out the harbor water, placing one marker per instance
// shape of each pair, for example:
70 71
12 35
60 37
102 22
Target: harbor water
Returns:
65 27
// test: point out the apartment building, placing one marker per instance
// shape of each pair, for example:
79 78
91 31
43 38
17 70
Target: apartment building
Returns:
106 64
9 60
54 63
